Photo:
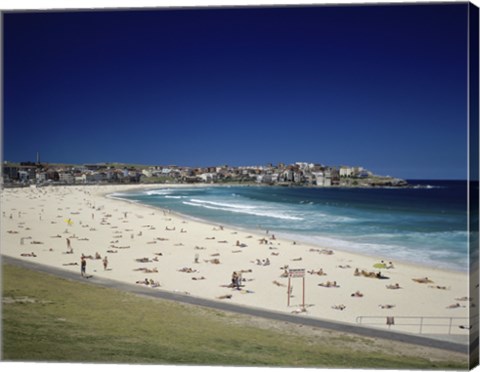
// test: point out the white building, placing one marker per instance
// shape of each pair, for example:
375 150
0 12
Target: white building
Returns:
346 171
66 177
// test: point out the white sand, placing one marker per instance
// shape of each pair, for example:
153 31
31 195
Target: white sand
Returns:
99 224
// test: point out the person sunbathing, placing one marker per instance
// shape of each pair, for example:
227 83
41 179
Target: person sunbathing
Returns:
357 294
380 276
329 285
198 278
386 306
423 280
339 307
318 272
154 270
187 270
228 296
438 287
70 264
453 306
393 286
28 254
144 259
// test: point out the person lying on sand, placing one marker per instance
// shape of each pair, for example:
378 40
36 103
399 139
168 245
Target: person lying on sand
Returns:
187 270
344 266
228 296
454 306
357 294
318 272
423 280
28 254
278 284
329 284
386 306
144 259
70 264
339 307
111 251
198 278
154 270
380 276
464 299
326 251
36 242
393 286
438 287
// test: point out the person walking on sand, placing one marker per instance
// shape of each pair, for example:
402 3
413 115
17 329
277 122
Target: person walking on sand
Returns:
83 266
68 244
105 263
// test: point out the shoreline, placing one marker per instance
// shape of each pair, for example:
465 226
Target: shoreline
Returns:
301 238
198 258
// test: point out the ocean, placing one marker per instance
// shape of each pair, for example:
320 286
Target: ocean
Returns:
424 224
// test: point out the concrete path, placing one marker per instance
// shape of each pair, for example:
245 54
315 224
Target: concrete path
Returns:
452 345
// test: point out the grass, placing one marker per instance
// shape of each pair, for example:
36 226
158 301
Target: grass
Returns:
46 318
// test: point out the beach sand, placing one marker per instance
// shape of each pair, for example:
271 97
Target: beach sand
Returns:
197 258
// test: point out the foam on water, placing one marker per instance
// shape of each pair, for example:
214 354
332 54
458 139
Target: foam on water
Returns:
240 209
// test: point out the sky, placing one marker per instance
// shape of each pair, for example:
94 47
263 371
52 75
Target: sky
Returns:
383 87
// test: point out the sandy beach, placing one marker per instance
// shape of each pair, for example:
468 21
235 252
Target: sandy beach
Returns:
57 225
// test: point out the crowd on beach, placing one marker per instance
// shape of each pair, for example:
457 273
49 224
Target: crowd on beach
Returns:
112 237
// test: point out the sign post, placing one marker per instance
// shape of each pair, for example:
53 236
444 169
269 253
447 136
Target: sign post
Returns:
296 273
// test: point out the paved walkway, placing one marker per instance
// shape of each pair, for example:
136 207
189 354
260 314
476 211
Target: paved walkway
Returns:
452 345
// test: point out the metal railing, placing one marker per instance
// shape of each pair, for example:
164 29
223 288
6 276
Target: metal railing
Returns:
425 324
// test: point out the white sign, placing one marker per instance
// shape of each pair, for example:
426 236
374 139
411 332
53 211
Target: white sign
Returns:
297 273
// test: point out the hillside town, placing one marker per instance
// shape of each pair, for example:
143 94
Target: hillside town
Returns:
298 174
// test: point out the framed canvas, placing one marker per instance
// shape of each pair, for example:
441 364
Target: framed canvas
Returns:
273 185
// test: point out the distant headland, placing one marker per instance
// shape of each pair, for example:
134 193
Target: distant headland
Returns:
297 174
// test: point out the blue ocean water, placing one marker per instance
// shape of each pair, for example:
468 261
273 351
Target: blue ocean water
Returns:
424 224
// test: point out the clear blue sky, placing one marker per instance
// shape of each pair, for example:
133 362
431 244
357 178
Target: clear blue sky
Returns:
384 87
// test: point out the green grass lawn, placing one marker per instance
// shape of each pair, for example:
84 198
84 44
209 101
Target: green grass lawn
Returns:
46 318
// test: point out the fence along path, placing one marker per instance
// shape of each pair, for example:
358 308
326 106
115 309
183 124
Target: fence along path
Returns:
423 324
